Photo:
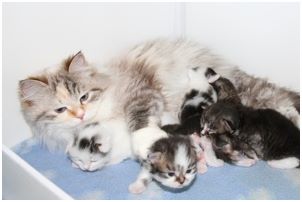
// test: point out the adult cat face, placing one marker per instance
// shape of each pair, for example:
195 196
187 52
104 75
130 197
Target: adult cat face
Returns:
66 97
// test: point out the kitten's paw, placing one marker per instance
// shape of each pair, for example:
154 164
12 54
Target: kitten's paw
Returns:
74 165
246 162
137 188
216 163
202 168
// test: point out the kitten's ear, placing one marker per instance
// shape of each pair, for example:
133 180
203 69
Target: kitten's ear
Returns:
76 63
30 87
154 157
102 143
211 75
228 125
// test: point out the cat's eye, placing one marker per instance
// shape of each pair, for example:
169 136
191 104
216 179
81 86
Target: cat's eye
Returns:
189 170
84 98
171 174
61 109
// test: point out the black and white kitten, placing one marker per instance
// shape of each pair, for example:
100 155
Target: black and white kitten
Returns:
241 135
189 117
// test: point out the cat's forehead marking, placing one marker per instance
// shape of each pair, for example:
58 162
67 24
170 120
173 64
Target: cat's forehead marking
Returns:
181 158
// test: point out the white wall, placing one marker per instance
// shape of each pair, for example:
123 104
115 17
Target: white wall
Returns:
262 38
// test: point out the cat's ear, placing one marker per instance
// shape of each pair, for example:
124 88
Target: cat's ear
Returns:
154 157
76 63
30 87
211 75
229 126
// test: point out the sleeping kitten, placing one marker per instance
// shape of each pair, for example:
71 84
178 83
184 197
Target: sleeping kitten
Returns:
171 161
244 135
90 150
96 145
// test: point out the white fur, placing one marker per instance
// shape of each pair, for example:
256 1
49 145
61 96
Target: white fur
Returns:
209 153
214 78
181 157
195 101
245 162
115 143
286 163
141 182
143 139
167 118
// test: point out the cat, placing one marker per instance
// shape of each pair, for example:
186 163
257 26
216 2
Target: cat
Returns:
242 135
58 103
191 110
171 161
142 88
92 147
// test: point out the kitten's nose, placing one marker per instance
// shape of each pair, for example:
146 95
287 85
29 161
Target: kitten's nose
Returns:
205 131
181 179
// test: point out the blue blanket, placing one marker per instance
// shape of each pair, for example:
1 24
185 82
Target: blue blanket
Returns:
227 182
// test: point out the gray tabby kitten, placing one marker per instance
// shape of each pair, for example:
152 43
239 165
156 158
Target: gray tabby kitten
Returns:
242 135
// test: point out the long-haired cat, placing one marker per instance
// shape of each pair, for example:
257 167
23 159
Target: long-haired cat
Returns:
242 134
58 103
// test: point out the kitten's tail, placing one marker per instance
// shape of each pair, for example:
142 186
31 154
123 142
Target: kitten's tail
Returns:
211 75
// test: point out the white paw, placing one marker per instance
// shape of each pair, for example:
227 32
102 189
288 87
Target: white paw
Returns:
74 165
216 163
137 188
286 163
202 168
246 162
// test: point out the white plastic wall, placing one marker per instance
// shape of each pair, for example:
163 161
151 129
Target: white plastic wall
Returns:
263 38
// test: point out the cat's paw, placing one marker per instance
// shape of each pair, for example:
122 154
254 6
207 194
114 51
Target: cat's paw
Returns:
74 165
216 163
246 162
137 188
202 168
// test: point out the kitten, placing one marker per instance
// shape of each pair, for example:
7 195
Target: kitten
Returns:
96 145
90 149
171 161
193 105
244 135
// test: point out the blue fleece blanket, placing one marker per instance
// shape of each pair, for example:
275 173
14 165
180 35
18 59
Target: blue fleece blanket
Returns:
227 182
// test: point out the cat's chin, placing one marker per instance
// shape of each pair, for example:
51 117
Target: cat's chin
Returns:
175 185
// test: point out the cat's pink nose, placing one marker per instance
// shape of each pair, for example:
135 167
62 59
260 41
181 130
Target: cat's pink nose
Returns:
80 114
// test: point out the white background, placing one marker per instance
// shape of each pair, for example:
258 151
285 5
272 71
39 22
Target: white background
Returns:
262 38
